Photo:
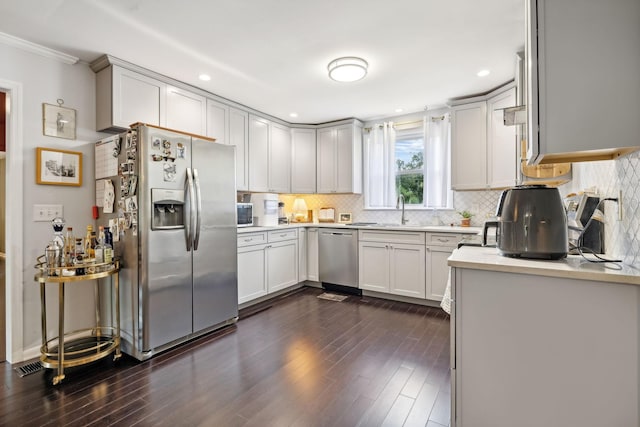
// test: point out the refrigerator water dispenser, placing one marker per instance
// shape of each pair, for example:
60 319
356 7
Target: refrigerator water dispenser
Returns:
168 209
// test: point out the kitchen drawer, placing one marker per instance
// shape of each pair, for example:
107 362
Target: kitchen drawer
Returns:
415 237
280 235
443 239
248 239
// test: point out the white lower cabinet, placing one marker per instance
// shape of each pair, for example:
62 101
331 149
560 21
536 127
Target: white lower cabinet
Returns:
373 269
439 249
252 281
267 262
282 265
313 270
388 264
302 254
407 270
437 271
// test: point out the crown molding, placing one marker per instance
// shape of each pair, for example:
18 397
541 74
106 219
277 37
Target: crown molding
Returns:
38 49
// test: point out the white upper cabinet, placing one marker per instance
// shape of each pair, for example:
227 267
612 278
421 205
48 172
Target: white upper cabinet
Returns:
218 121
228 125
583 84
303 167
186 111
125 97
279 159
340 159
269 156
484 152
327 160
469 146
502 144
258 154
239 137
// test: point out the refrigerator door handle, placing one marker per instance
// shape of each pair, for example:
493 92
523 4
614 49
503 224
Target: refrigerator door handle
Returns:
192 209
196 239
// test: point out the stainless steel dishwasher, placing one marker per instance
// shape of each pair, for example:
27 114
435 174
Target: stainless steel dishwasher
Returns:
338 259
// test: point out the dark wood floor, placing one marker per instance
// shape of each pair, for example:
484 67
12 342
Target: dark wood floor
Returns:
301 362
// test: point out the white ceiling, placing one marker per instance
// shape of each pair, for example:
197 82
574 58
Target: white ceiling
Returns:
272 55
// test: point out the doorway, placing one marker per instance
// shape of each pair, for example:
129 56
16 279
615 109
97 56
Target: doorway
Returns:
11 304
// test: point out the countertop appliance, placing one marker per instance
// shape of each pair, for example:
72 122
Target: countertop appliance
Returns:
265 209
532 223
177 236
244 214
338 259
579 210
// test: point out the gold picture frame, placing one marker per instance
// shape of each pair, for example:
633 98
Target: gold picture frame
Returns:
58 121
58 167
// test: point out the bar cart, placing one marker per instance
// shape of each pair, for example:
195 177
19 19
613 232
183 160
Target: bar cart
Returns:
81 346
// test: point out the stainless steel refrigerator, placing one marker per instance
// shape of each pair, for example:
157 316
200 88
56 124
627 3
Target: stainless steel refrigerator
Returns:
175 218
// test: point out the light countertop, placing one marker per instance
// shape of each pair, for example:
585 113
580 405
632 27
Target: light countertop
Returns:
572 267
388 227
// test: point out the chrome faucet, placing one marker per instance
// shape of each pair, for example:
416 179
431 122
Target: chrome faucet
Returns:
403 220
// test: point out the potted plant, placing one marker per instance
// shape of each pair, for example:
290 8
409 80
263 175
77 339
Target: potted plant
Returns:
466 218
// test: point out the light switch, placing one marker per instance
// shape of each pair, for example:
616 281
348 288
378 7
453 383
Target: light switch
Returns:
47 212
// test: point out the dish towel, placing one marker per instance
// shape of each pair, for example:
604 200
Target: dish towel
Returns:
446 299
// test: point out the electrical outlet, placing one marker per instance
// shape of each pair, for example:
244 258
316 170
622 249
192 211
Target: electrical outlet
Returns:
47 212
619 205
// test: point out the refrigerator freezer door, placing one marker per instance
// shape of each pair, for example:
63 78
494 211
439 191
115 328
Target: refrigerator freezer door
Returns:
215 288
165 264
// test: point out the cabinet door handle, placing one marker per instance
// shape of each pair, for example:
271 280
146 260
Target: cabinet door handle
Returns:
443 240
283 235
248 240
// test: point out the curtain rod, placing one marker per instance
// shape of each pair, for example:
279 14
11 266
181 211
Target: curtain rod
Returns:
433 119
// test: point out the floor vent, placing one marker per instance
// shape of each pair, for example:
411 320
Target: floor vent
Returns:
29 368
333 297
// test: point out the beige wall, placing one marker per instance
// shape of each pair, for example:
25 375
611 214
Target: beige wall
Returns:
44 80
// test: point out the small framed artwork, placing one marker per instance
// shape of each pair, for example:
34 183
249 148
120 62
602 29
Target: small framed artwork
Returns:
58 167
58 121
344 218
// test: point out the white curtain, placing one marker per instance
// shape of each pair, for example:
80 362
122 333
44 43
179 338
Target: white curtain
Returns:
380 184
437 155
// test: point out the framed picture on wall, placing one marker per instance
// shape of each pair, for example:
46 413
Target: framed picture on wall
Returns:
58 167
58 121
344 217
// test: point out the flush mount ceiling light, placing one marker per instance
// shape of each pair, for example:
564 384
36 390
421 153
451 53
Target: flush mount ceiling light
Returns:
347 69
204 77
483 73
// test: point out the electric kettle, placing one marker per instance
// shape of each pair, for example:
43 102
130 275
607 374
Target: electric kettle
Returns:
532 223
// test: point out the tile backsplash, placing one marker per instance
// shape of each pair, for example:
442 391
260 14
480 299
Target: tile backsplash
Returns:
481 203
608 177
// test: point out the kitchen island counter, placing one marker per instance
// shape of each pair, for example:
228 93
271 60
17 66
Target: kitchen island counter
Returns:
572 267
537 342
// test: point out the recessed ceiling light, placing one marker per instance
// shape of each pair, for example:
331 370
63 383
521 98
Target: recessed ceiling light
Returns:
347 69
293 114
399 110
483 73
204 77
